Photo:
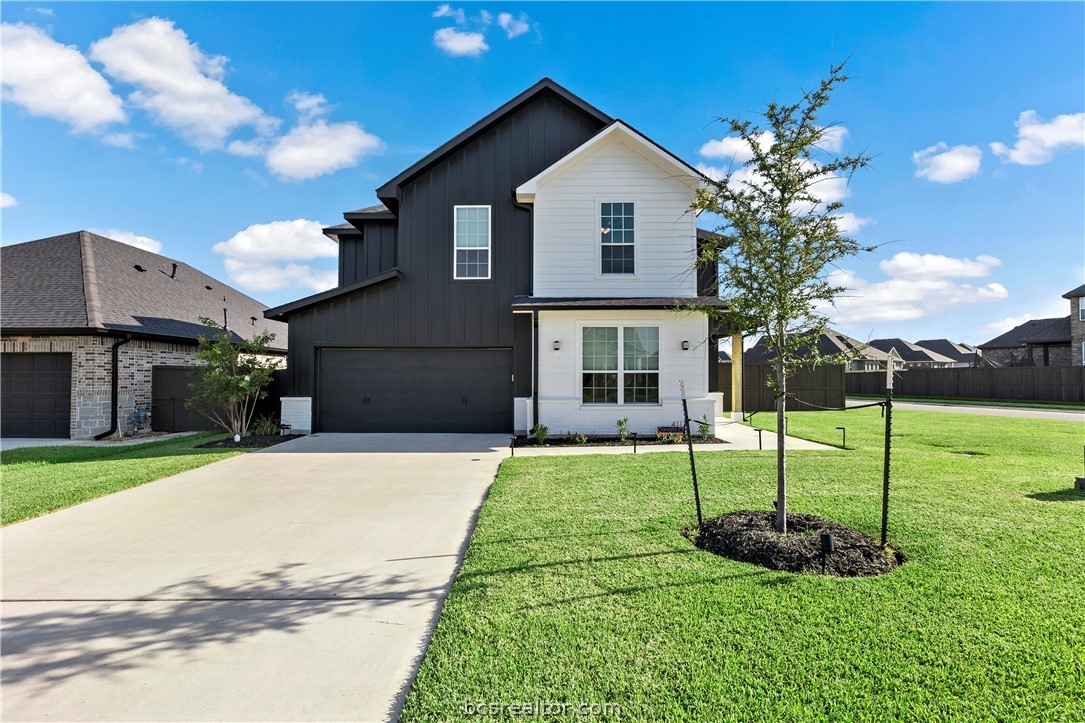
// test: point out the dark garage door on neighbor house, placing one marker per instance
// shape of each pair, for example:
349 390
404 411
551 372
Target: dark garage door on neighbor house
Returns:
415 390
35 395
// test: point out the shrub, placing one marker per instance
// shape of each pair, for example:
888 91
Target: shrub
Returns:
704 427
541 432
264 426
623 428
576 438
670 437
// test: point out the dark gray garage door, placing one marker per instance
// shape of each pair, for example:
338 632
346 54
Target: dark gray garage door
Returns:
35 395
415 390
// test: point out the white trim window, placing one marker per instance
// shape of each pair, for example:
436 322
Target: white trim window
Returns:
616 238
1081 309
620 365
472 242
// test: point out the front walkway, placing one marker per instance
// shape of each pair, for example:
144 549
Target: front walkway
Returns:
736 435
301 582
19 442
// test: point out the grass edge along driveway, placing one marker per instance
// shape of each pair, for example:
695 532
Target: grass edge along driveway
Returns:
38 480
577 588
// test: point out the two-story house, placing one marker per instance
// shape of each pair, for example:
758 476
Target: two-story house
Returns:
529 269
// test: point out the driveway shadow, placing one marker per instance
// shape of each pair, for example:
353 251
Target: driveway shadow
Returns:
104 637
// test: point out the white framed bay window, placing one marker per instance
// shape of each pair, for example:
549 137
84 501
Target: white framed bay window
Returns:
472 242
619 364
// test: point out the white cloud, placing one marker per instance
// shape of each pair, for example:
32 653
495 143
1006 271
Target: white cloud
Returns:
832 138
53 80
312 150
907 265
513 26
120 140
132 239
43 11
255 256
919 286
308 105
941 164
248 149
734 149
447 11
1038 140
7 200
177 83
849 223
460 43
194 166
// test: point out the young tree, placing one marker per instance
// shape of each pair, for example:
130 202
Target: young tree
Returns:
234 377
779 237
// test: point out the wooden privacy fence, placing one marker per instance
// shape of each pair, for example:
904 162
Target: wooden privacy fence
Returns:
1049 384
170 389
820 385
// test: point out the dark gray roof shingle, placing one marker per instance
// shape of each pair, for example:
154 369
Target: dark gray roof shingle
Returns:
1034 331
951 349
85 281
910 352
830 343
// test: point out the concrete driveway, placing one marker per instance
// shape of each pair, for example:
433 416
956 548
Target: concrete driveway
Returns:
297 583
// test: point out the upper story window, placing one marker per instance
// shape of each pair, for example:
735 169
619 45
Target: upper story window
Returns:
616 236
472 251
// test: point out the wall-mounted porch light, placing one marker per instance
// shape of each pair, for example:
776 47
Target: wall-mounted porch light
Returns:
557 345
685 346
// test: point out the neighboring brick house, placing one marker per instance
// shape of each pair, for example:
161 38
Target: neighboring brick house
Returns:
962 355
1077 325
67 302
862 357
1036 343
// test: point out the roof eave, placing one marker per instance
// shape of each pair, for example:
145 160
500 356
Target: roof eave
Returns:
279 313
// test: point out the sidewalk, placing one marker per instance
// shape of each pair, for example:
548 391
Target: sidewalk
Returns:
736 435
18 442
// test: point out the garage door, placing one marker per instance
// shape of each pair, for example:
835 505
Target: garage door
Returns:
415 390
35 395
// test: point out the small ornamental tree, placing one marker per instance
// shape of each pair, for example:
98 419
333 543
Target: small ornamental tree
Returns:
234 377
778 239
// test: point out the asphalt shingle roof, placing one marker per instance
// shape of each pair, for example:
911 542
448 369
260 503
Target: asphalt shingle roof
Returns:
910 352
830 343
1034 331
951 349
85 281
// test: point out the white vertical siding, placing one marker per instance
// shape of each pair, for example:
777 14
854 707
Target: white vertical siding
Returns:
567 224
559 382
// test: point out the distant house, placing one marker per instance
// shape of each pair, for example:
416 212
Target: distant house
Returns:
1036 343
914 356
963 355
1077 325
862 357
84 319
723 356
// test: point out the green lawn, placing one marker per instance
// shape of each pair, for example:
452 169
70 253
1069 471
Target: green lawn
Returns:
36 480
577 586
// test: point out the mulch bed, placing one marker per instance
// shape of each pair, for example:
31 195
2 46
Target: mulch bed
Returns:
750 536
599 441
253 442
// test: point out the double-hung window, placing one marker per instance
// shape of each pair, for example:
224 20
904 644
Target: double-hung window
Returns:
616 237
472 251
620 365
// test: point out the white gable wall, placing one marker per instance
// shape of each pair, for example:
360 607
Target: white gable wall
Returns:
567 225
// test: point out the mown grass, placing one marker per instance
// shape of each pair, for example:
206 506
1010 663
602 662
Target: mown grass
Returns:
37 480
577 586
975 402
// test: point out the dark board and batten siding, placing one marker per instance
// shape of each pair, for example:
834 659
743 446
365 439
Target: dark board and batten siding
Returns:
427 308
368 253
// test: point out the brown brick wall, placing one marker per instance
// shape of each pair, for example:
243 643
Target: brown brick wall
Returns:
1077 333
91 372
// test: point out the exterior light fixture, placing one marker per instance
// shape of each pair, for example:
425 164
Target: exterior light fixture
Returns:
557 345
685 346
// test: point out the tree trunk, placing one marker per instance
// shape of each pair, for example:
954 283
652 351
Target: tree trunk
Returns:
781 455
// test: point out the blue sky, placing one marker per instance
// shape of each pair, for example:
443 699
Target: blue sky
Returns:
246 126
